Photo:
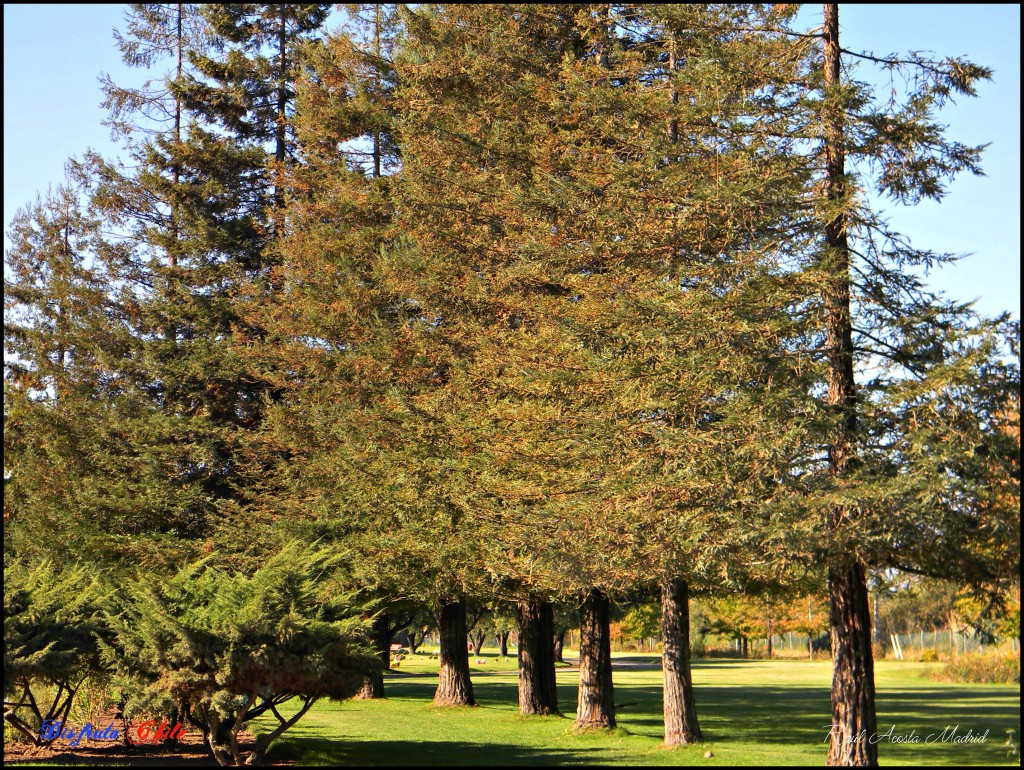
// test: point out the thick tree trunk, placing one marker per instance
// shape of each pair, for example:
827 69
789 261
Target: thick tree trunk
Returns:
503 643
853 689
382 637
559 646
537 692
853 678
454 687
595 705
680 708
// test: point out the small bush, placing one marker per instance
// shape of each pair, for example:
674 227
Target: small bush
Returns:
981 668
227 647
51 628
928 655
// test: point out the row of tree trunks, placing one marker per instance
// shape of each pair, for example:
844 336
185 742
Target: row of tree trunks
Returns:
454 687
595 703
680 708
537 684
537 690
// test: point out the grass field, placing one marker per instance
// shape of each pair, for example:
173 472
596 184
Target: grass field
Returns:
752 712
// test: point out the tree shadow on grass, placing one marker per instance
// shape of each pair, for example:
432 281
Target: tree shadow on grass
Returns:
116 754
801 715
362 752
772 716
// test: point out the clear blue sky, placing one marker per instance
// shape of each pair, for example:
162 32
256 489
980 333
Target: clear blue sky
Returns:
54 53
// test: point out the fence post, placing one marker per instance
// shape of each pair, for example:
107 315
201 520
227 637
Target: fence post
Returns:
896 646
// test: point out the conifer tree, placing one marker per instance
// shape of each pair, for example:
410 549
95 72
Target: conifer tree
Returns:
186 236
230 647
51 642
344 123
877 313
90 466
460 178
248 75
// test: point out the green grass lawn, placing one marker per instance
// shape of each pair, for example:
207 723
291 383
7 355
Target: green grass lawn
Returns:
752 713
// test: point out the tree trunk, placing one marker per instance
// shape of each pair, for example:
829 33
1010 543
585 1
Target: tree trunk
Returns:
376 86
172 256
537 692
373 685
454 687
415 640
853 680
876 625
680 708
382 637
503 643
478 641
559 646
595 705
853 688
280 131
282 90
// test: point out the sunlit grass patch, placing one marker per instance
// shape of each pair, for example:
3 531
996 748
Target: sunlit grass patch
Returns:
752 712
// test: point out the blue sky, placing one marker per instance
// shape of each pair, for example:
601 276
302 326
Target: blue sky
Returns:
54 53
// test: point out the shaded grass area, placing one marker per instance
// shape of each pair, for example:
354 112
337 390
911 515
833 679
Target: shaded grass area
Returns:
752 713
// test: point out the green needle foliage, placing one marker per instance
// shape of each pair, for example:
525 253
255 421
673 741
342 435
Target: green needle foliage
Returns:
227 647
52 638
90 464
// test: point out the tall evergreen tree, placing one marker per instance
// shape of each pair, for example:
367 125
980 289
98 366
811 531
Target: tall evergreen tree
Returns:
186 240
248 75
877 313
344 123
